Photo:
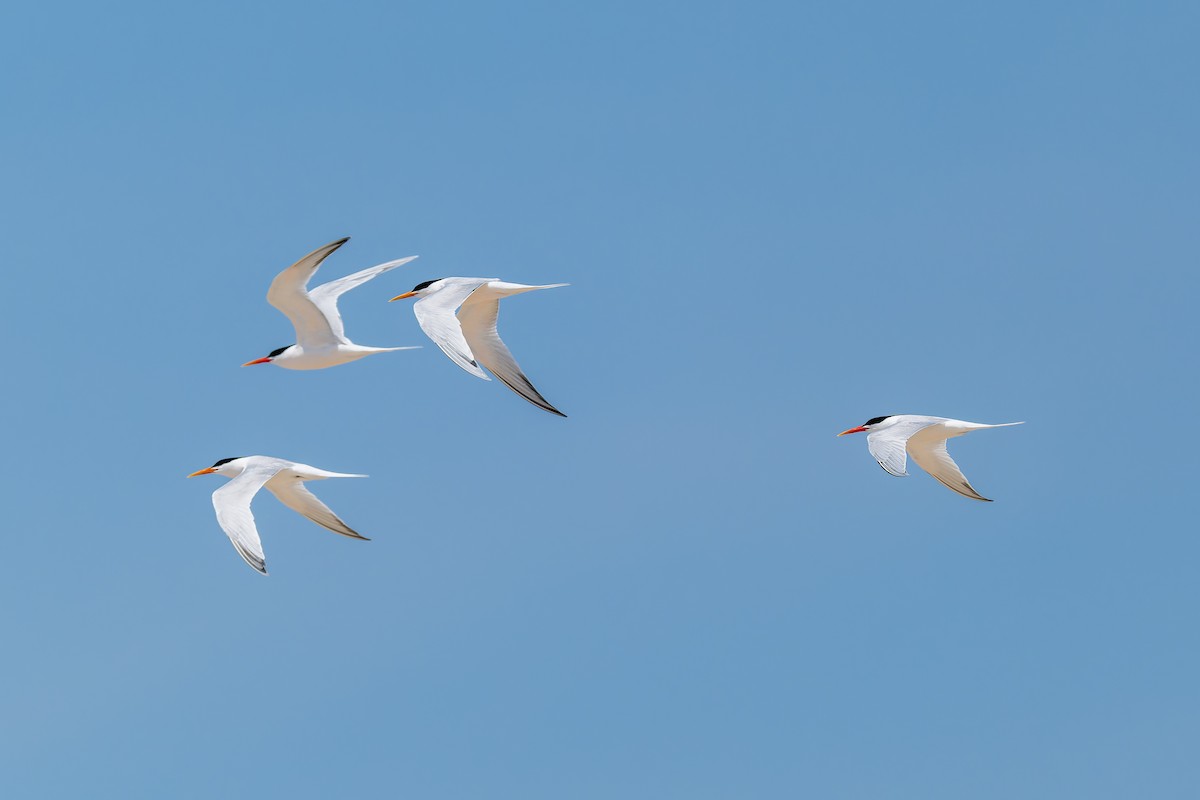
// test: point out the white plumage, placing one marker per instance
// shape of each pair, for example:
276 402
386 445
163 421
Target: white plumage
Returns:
892 439
469 338
320 335
285 480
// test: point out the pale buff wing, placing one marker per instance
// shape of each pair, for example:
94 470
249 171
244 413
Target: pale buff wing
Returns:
289 294
293 494
478 317
928 448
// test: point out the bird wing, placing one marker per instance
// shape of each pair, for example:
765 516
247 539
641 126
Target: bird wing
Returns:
232 503
887 445
435 314
289 294
478 321
293 494
325 296
928 449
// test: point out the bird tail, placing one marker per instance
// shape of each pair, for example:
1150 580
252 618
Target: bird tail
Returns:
509 289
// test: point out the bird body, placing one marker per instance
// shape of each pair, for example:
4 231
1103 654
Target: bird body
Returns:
304 358
320 335
469 338
282 478
892 439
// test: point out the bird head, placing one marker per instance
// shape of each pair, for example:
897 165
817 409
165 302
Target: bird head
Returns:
267 359
872 424
420 290
229 467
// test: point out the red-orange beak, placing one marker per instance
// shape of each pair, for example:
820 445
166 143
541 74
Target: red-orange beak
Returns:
859 429
204 471
265 360
404 296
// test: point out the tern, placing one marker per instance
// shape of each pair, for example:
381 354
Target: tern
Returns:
320 337
893 438
285 480
470 338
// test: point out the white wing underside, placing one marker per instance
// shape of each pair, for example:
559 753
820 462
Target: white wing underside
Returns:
435 314
325 296
314 314
888 445
232 504
477 318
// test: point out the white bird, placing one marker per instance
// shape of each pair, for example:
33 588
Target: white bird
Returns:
892 439
285 480
470 338
320 337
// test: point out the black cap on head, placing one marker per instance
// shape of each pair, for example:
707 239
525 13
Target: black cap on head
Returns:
274 353
225 461
875 420
425 284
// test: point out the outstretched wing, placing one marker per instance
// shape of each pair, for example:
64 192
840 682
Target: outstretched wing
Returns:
435 314
293 494
888 445
325 296
478 321
232 503
928 449
289 294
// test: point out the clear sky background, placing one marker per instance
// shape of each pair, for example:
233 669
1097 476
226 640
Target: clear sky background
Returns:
778 220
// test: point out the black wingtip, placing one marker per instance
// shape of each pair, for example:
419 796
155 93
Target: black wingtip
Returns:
540 401
544 405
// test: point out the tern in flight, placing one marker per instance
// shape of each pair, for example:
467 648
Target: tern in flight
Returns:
285 480
320 338
892 439
470 338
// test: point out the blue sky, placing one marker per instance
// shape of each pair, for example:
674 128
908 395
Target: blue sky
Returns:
778 220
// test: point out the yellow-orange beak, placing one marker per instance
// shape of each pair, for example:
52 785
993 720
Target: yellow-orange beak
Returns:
404 296
204 471
266 360
859 429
